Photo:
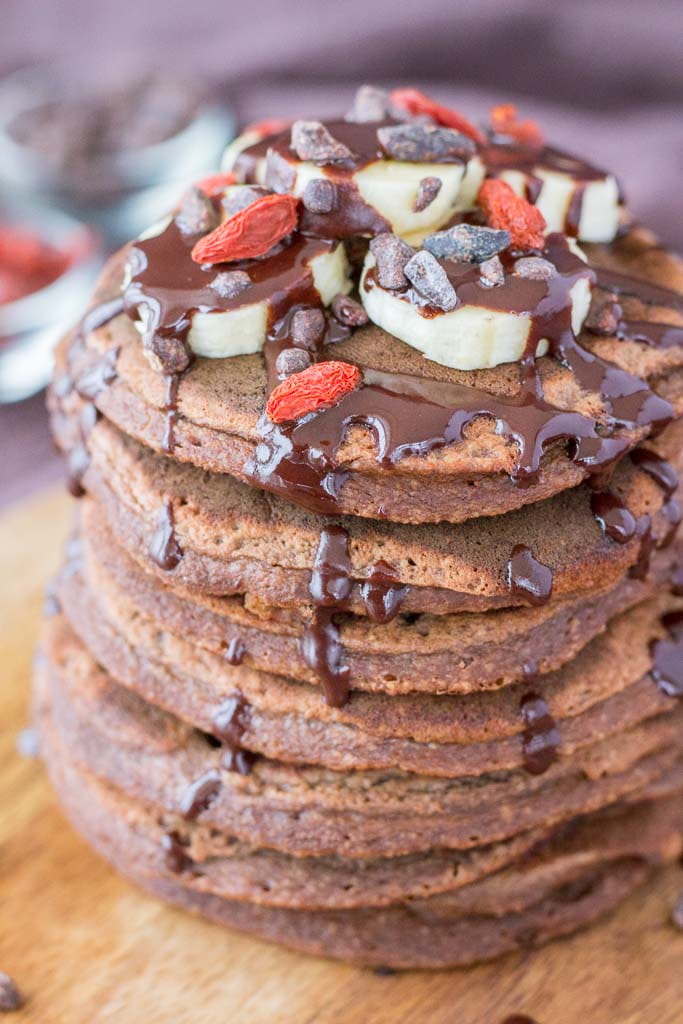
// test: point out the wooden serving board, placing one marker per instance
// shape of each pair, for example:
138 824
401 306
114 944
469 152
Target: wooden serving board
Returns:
87 948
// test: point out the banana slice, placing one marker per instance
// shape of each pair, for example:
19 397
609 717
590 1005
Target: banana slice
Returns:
469 337
598 201
242 330
391 188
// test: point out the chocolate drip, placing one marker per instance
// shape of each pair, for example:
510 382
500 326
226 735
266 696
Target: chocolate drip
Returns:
200 794
654 334
170 407
519 1018
664 474
636 287
540 739
176 858
167 287
99 376
78 459
413 416
528 578
330 587
164 548
234 654
572 217
101 315
382 593
613 516
677 580
230 722
667 656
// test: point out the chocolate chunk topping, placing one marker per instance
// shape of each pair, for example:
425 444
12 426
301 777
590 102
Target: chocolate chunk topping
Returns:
10 996
311 140
240 198
429 278
307 327
427 191
280 175
320 196
197 214
166 353
349 312
292 360
391 256
419 142
491 272
466 243
535 268
230 283
369 104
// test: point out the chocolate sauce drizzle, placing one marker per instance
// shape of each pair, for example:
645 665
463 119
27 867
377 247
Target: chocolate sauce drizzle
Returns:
527 577
89 385
164 548
167 287
667 656
176 857
413 416
619 523
541 738
235 651
230 723
200 794
519 1018
331 586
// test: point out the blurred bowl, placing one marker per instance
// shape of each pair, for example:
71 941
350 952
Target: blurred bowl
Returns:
31 325
120 191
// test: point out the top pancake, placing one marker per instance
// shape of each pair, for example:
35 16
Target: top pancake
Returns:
220 402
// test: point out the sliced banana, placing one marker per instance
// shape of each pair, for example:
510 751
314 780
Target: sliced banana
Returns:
468 337
599 217
242 331
391 188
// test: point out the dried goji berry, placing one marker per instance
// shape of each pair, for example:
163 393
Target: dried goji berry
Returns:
215 183
270 126
415 102
504 121
317 387
507 211
249 233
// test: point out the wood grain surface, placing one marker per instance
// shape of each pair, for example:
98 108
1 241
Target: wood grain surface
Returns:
87 948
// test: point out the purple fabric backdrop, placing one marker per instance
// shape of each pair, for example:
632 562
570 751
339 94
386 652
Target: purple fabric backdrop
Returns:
602 76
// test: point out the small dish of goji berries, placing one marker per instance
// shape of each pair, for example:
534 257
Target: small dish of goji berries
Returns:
48 263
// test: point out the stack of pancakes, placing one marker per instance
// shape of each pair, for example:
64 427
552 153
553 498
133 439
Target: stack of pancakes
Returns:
434 727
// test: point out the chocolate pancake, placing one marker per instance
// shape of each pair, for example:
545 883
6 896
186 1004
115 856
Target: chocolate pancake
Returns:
227 538
306 810
558 889
216 406
605 689
457 653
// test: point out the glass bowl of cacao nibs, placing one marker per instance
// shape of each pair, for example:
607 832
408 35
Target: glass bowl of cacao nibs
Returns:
109 148
48 265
